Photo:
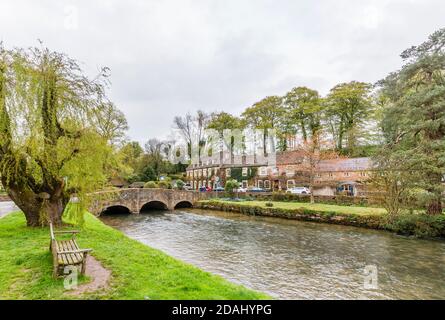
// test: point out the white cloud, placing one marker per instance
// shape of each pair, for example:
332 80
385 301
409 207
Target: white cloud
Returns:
168 57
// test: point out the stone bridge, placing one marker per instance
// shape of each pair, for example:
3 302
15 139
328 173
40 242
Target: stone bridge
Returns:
139 200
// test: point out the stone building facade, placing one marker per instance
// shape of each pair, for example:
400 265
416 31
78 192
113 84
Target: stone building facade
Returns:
334 176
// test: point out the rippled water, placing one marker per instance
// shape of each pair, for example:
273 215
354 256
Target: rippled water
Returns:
294 259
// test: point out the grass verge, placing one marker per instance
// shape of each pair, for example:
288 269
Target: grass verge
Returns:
318 207
138 271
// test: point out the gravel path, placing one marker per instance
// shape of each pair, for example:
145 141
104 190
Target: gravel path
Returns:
7 207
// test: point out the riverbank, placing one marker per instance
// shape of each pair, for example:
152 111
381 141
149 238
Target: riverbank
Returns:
419 225
138 271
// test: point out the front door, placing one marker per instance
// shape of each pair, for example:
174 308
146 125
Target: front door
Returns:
276 185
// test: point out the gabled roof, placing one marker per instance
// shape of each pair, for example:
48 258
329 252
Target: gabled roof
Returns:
346 164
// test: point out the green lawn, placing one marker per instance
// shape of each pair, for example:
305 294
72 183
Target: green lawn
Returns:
138 271
315 207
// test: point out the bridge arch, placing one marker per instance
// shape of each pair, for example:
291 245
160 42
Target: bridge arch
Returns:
115 209
183 204
153 205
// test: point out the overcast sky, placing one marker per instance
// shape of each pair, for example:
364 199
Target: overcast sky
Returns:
170 57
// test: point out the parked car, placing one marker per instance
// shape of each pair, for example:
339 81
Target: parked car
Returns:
219 189
188 186
241 189
298 190
209 189
203 189
256 189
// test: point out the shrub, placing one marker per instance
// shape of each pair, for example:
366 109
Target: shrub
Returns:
164 185
269 204
150 185
420 225
180 184
230 186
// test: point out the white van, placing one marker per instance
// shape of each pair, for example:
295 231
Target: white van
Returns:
299 190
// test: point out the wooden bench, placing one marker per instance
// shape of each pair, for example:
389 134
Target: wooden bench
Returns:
66 252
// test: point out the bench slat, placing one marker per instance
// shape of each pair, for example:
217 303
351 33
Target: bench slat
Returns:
66 252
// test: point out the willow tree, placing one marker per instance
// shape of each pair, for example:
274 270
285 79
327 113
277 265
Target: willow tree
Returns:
48 148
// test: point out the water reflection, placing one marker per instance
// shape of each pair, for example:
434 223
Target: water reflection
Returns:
293 259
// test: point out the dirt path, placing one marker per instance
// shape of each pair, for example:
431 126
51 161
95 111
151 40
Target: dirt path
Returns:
99 278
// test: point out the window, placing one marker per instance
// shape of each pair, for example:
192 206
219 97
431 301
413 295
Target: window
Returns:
263 171
363 174
318 175
266 184
245 184
290 172
275 171
290 184
204 172
330 175
199 184
244 172
346 174
228 172
260 183
210 184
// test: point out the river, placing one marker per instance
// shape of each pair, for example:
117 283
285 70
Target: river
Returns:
294 259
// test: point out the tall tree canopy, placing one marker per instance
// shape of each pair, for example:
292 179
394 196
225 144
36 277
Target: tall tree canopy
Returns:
349 108
414 117
265 114
221 121
303 106
48 147
111 123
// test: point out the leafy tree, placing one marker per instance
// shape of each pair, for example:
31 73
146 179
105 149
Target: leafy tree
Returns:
349 108
154 152
148 174
414 119
231 186
391 181
225 121
303 106
48 147
180 184
265 114
313 151
110 123
131 154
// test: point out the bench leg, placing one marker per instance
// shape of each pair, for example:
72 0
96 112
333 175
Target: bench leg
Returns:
55 270
84 264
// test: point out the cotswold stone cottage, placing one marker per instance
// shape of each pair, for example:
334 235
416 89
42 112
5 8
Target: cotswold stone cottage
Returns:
335 176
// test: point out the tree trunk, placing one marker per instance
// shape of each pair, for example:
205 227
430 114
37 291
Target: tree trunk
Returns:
38 211
303 131
435 207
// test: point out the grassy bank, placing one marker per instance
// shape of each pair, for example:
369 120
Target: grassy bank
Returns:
138 271
317 207
419 225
